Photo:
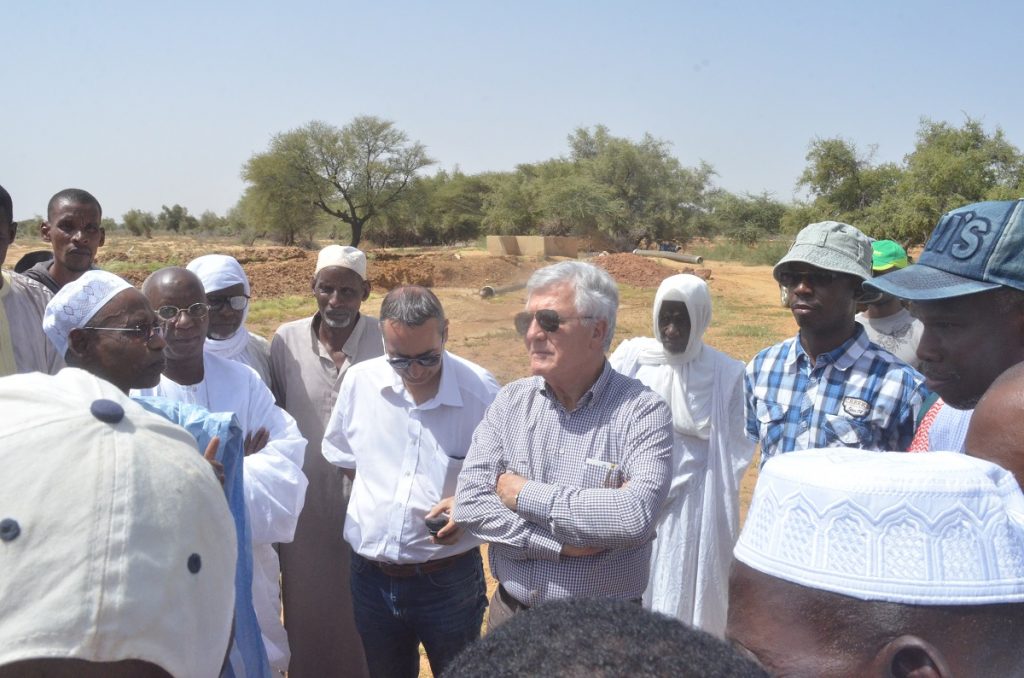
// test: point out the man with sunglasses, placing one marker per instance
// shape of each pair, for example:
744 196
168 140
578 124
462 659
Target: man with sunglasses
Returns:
275 487
309 359
228 293
829 386
403 423
72 227
569 468
23 347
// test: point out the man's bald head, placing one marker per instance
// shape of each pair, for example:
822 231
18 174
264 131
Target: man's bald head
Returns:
996 433
177 296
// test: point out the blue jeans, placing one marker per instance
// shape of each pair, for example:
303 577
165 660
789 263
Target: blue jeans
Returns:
443 610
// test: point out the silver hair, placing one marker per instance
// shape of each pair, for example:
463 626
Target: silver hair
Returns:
412 305
597 295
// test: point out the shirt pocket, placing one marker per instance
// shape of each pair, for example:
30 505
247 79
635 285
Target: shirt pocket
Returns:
770 425
446 470
602 474
847 432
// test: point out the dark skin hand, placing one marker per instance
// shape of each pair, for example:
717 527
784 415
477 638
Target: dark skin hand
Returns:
256 440
211 456
450 533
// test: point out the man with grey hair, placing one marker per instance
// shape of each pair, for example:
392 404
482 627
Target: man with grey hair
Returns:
581 455
829 386
404 421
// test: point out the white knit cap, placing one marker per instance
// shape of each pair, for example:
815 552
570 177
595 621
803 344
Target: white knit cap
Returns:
76 303
930 529
218 272
344 256
115 537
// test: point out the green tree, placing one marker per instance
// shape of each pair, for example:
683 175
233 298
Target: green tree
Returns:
177 219
139 222
210 222
844 182
353 174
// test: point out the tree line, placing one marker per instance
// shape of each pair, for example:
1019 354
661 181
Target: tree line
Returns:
368 180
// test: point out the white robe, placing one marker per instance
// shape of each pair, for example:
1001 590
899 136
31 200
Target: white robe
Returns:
692 552
275 487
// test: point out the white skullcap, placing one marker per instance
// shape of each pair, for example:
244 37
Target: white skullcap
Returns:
344 256
115 537
930 529
76 303
218 272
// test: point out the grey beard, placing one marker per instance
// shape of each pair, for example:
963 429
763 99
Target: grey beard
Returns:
337 323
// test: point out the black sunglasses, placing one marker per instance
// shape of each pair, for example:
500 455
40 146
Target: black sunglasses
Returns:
548 320
237 303
196 311
403 364
142 332
813 278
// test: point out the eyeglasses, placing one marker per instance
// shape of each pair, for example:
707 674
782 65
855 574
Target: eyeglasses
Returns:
813 278
548 320
196 311
142 332
237 303
402 364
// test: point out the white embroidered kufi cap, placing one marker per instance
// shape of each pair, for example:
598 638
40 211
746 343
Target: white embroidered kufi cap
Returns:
344 256
931 529
116 541
76 303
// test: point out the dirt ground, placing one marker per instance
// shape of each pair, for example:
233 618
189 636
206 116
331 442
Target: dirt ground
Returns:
747 315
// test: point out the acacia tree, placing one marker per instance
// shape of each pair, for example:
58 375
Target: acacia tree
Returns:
353 173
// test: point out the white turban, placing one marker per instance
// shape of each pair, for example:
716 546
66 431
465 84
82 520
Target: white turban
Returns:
218 272
76 303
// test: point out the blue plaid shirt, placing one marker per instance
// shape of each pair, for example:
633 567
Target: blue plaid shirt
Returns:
857 395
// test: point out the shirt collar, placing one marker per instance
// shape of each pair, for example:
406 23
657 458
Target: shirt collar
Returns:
592 394
842 357
351 344
447 391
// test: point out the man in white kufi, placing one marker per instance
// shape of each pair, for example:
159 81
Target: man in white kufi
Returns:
859 563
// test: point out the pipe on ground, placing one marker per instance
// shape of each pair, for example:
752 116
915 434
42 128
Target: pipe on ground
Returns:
488 291
674 256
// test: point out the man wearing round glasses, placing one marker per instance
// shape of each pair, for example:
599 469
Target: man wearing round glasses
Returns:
569 468
829 386
227 293
403 423
275 486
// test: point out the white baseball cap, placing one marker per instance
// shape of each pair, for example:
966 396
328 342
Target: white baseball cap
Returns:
939 528
116 541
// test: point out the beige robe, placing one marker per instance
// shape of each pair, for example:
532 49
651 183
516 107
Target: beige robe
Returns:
315 566
23 346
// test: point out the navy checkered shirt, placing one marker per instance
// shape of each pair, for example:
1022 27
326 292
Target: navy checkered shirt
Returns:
597 477
857 395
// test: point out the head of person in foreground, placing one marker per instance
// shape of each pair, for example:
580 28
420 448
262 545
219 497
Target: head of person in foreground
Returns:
116 544
860 564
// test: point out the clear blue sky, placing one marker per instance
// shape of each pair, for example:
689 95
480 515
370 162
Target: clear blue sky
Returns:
146 104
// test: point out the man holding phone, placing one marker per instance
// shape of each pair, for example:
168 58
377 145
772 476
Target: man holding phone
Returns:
403 423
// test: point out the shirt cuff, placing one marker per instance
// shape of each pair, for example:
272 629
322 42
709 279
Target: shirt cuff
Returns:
535 501
540 546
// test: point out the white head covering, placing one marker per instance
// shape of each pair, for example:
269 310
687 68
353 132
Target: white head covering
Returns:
115 541
76 303
344 256
688 385
927 529
218 272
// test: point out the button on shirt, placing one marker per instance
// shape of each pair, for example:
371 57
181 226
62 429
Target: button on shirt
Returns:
407 456
856 395
597 477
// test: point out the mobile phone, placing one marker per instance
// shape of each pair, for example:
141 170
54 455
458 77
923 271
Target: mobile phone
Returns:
435 524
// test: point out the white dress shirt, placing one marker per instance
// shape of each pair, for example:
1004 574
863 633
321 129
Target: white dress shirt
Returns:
407 456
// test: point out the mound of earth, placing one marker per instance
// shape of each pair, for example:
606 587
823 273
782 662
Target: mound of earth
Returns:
637 271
